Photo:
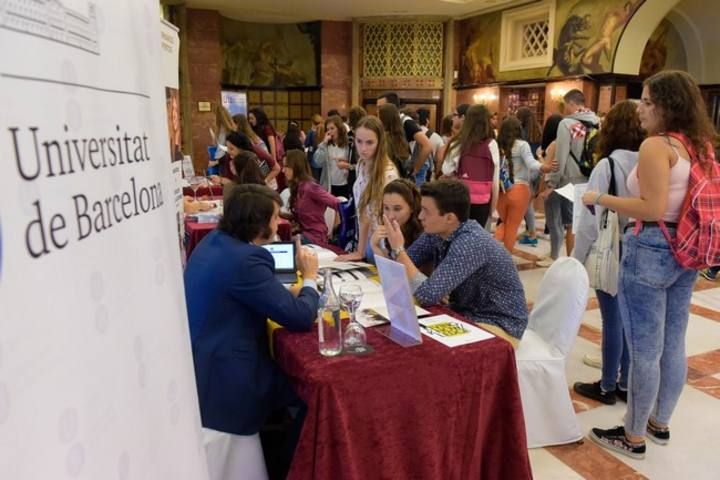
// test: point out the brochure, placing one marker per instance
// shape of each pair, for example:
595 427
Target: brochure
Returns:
452 332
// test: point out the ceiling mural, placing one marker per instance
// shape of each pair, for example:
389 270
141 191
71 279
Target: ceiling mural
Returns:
586 34
267 55
664 50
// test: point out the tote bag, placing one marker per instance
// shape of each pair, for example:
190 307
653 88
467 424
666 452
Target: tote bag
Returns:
603 261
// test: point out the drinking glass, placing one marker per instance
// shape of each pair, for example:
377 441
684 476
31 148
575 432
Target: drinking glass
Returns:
195 183
351 296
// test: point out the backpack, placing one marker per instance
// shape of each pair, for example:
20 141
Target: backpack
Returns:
475 171
586 162
697 241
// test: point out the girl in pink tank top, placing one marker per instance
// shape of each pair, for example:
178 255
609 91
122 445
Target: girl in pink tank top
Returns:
654 290
679 174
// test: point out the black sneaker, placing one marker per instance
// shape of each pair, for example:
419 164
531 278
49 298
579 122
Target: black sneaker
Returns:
593 390
621 394
661 436
614 439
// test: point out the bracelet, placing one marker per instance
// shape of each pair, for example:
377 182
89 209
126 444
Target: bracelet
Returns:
398 251
597 199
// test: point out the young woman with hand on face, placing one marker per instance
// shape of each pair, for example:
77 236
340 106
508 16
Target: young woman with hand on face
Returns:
332 156
401 204
374 171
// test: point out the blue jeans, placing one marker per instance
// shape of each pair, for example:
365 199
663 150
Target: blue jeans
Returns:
558 213
654 296
614 348
530 218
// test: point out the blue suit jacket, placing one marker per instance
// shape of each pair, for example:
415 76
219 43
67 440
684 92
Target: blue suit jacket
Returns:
231 290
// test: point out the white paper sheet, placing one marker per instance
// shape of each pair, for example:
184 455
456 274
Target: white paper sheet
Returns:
567 191
578 205
452 332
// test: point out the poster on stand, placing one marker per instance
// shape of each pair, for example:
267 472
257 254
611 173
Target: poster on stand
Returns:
235 102
96 371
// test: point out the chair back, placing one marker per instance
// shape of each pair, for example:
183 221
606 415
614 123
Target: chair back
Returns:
560 304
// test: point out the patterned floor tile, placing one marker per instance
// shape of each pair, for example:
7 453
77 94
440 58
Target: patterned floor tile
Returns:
592 462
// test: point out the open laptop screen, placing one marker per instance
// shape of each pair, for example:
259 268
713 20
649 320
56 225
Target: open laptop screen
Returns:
284 255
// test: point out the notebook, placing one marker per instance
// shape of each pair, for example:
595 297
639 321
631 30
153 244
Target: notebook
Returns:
284 255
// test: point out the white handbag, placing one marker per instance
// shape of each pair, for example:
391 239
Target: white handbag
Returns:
603 261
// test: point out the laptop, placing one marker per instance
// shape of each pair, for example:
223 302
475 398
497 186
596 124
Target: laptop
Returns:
285 266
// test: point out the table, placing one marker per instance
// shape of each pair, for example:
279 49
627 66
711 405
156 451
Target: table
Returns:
425 412
194 232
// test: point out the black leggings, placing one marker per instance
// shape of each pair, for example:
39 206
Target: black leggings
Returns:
480 213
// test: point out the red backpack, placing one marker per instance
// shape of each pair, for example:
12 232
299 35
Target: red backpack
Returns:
697 241
475 170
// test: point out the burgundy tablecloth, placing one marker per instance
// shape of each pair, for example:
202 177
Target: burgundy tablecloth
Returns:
214 190
194 232
425 412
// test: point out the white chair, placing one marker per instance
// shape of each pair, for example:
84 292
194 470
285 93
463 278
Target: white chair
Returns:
232 457
541 355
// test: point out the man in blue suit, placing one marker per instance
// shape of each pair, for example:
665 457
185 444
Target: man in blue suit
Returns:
231 291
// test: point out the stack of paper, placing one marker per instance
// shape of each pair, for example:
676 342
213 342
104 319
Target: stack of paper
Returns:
452 332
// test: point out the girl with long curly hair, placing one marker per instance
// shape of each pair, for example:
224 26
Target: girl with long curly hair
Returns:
618 146
654 290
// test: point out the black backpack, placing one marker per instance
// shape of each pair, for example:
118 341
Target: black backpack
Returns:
587 159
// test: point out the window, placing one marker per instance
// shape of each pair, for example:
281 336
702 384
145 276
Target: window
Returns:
403 49
527 37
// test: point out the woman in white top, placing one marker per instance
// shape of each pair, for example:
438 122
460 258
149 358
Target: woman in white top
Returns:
332 155
522 168
374 171
619 141
654 290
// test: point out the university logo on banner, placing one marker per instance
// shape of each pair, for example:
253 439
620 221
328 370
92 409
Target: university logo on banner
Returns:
96 375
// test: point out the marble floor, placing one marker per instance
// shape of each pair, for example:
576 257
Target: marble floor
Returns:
692 452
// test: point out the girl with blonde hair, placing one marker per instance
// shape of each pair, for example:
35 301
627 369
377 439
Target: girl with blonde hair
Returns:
374 171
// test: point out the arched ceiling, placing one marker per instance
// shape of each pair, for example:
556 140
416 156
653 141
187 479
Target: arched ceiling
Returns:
291 11
694 22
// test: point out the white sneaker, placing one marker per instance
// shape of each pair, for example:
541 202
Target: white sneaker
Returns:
592 361
544 262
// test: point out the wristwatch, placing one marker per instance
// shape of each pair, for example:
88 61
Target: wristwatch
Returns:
398 251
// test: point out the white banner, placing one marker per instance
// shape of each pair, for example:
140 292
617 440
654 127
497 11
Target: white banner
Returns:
170 45
96 374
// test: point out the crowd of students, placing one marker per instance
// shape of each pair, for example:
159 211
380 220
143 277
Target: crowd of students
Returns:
437 222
